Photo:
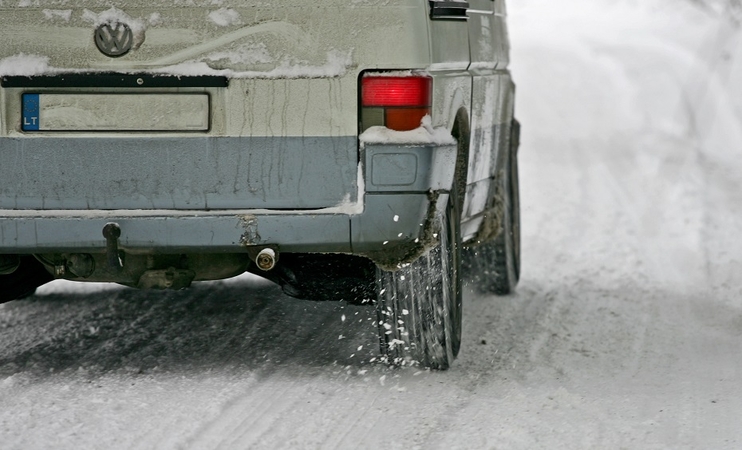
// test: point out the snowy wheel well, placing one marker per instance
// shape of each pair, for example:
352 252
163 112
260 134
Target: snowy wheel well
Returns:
461 132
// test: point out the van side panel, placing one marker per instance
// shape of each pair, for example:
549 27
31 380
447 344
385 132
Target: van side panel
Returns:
492 109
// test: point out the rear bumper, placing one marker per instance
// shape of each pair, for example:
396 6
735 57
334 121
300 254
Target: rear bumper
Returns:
393 212
216 232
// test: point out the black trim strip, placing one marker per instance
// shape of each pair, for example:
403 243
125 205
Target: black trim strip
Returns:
112 80
447 10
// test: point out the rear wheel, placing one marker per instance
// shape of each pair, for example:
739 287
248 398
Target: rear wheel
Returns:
23 282
419 305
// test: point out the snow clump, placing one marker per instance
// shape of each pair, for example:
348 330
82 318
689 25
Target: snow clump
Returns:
22 64
225 17
424 134
54 14
114 16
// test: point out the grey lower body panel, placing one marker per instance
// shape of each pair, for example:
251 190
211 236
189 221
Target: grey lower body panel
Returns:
392 213
184 173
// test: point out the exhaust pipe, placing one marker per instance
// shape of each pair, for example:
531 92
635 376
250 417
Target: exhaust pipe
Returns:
266 259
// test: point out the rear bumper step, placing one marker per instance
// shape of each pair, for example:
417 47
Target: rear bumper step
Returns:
387 219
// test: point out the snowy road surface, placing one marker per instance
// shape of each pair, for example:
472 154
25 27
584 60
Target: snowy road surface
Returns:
626 331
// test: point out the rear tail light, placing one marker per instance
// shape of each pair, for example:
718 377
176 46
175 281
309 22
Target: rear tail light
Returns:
396 102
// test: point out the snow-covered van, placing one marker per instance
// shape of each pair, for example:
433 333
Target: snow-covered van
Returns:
348 150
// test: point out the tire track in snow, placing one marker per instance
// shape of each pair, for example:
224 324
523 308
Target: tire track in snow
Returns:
281 412
245 420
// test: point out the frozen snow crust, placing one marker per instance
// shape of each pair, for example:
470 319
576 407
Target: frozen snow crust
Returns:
425 134
336 65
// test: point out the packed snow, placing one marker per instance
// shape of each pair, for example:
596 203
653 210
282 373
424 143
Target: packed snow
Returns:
23 64
225 17
625 332
425 134
114 15
248 54
336 65
57 14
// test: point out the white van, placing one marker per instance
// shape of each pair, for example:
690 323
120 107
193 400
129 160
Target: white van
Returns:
347 150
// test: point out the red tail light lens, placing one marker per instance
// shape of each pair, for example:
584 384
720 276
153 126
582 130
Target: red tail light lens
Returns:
396 91
397 102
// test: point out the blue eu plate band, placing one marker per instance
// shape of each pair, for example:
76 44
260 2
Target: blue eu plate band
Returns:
30 112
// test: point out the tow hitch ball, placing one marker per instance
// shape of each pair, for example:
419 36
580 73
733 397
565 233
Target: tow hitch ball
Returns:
112 232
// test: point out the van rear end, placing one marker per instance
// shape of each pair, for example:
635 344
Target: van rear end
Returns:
198 131
344 150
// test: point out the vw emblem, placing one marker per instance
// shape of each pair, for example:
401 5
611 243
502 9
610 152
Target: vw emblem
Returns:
114 39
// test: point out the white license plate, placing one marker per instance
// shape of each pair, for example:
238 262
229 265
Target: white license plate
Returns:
115 112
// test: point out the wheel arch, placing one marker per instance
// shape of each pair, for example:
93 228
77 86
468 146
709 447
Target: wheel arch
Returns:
461 131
